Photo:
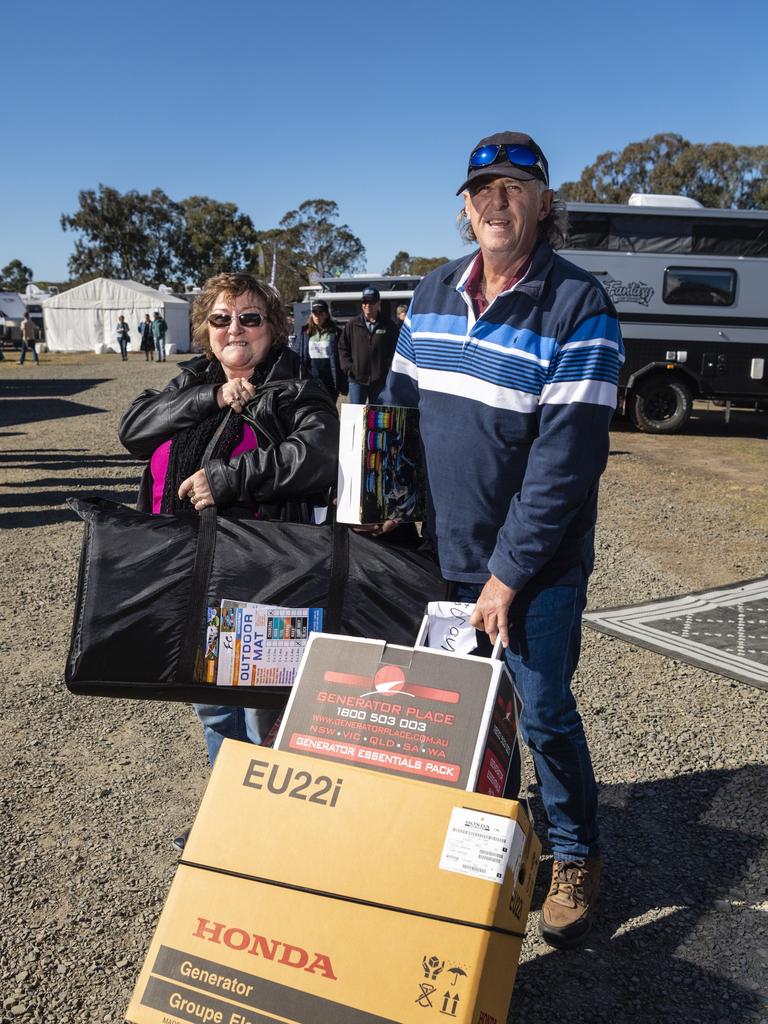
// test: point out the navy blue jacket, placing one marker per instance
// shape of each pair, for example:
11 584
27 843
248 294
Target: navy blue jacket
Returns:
514 408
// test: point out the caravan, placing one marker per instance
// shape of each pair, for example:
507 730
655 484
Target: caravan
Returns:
344 294
689 285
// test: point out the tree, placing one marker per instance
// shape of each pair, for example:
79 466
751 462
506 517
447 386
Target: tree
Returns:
131 236
15 277
319 244
404 263
155 240
215 237
717 174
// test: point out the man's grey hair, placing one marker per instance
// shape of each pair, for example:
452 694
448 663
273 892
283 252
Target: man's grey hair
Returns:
554 227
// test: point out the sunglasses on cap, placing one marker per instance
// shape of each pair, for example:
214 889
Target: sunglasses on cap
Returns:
221 320
519 156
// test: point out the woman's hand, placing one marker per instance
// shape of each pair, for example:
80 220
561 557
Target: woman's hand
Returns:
235 393
378 528
196 489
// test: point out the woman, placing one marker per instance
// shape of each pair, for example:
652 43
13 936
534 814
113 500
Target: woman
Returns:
276 454
123 334
147 345
318 349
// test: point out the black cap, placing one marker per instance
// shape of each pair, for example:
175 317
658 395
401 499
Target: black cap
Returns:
320 306
371 294
503 168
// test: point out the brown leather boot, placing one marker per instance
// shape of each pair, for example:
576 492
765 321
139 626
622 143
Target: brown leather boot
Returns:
566 915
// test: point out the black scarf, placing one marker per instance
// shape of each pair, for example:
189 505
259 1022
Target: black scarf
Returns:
188 446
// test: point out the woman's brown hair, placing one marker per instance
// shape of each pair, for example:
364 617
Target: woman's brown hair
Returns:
234 285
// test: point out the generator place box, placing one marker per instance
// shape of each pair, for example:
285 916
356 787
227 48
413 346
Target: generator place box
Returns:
314 894
427 714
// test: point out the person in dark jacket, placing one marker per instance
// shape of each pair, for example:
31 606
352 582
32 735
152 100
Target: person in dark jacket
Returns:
366 347
318 349
277 451
159 331
147 345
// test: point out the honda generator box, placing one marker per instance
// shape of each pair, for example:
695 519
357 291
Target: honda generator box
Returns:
325 894
426 714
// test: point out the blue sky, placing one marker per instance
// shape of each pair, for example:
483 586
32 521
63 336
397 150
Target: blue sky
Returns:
374 106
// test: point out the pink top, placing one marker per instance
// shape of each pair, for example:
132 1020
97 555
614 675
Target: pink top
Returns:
158 464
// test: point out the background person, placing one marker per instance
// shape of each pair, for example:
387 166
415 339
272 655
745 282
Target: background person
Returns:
512 356
28 339
366 347
147 345
159 331
123 335
318 349
248 371
400 314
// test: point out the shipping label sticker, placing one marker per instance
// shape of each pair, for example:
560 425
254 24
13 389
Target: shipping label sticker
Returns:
482 845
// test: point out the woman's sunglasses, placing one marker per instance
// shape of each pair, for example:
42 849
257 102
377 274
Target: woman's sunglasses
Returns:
518 156
221 320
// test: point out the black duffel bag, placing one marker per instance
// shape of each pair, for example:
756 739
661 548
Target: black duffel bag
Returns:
146 582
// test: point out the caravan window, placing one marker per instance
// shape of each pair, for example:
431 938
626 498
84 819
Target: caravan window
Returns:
628 232
731 238
588 230
344 310
649 232
684 286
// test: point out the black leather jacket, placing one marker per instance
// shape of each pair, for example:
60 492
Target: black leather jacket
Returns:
294 419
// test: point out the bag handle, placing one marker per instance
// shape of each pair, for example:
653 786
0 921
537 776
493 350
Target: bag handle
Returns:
339 573
189 666
187 669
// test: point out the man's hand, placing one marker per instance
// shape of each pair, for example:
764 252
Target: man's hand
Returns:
491 613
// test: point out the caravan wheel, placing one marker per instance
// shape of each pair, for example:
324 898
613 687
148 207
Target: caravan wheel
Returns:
660 405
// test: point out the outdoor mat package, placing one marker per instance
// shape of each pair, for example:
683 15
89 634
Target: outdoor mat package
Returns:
427 714
313 893
152 588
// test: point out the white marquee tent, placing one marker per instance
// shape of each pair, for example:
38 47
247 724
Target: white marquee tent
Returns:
84 318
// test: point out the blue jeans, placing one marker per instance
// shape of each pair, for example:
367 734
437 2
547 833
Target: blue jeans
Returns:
251 725
160 348
544 646
28 346
362 394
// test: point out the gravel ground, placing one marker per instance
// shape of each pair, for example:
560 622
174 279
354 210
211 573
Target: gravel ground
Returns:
92 790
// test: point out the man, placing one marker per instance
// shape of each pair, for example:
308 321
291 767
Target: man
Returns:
159 331
512 356
28 339
366 347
